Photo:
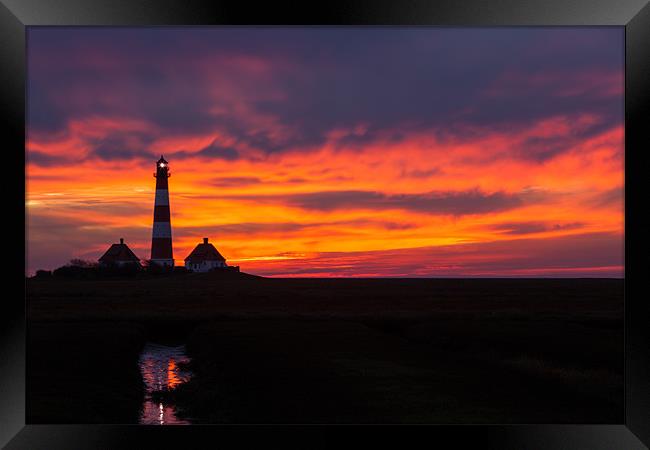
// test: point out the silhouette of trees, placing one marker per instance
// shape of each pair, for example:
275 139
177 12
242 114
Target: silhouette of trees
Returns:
43 274
84 269
77 262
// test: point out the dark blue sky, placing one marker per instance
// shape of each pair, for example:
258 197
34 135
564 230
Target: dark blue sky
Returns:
314 80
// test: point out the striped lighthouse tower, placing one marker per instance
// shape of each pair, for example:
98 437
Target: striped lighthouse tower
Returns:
161 241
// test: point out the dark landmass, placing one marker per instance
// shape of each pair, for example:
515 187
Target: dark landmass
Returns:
83 373
332 350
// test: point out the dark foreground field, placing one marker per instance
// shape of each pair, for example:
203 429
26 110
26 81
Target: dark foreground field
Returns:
316 350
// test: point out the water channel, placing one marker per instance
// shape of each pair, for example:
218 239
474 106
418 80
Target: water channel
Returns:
162 368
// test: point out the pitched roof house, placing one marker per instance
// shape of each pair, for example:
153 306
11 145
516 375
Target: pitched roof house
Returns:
204 258
119 254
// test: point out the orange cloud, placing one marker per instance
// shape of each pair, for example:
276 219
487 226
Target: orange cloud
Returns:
260 212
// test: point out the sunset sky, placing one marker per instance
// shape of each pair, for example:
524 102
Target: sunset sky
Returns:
332 151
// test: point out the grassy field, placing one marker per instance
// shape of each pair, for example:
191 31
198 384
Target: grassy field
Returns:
83 373
341 350
203 296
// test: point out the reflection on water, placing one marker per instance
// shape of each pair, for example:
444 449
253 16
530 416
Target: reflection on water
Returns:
160 370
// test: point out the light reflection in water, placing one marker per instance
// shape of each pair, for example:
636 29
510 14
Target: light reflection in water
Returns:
160 369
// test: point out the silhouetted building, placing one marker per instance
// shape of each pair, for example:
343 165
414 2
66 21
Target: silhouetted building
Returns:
119 255
161 239
205 257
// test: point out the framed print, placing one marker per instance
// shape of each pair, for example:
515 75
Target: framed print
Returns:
240 222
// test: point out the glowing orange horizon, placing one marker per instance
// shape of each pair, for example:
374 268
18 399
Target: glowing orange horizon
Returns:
356 163
260 193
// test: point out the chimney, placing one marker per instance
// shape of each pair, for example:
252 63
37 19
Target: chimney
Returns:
121 240
205 240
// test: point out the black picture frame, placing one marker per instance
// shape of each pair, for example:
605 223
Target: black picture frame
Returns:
634 15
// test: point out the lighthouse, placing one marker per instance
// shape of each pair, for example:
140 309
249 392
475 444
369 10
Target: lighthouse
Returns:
161 241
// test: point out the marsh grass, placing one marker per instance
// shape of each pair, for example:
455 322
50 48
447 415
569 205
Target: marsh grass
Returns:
332 351
602 383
